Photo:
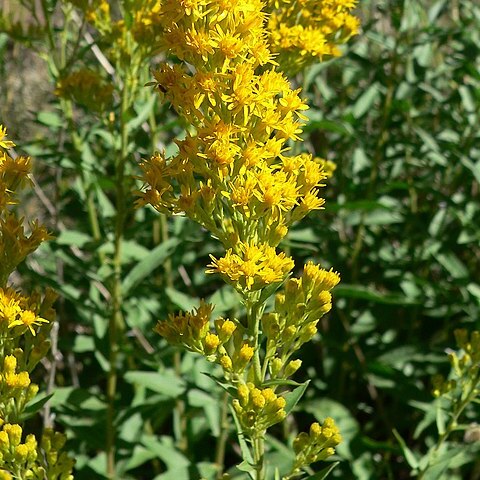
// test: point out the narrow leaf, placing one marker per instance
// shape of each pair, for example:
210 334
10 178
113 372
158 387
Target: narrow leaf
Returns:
146 266
293 397
323 473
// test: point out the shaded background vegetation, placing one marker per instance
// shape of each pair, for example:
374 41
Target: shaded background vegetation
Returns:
399 115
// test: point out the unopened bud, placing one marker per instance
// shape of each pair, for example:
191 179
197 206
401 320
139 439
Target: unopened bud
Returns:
292 367
275 366
226 362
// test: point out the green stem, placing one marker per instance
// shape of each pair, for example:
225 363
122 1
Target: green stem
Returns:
116 318
222 439
258 455
254 313
180 418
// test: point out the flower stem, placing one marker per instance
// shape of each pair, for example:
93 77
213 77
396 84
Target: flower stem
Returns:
116 318
258 455
254 313
459 408
222 439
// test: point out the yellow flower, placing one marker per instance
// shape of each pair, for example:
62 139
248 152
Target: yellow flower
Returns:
308 31
4 143
28 319
253 267
258 409
9 305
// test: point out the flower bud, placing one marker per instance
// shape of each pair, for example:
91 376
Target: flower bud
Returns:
275 366
292 367
21 453
289 333
14 433
257 399
225 329
308 332
211 343
244 356
300 442
226 362
243 394
271 325
315 430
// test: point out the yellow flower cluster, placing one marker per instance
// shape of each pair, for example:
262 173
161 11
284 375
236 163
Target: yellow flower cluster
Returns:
232 173
464 366
9 378
15 245
190 329
18 311
308 31
130 29
298 308
258 409
316 445
253 268
236 174
225 344
86 88
27 460
13 451
25 323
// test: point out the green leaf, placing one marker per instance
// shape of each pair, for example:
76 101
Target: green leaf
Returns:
225 386
269 383
181 300
142 114
367 293
146 266
409 455
83 343
440 417
165 450
35 405
452 264
247 464
166 383
366 100
293 397
180 473
73 238
224 300
474 289
50 119
210 405
323 473
473 167
329 126
453 457
139 456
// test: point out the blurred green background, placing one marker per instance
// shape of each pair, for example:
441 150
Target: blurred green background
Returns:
399 116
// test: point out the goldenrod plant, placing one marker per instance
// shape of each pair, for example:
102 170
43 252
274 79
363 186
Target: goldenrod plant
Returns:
453 412
235 175
397 113
26 320
306 32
